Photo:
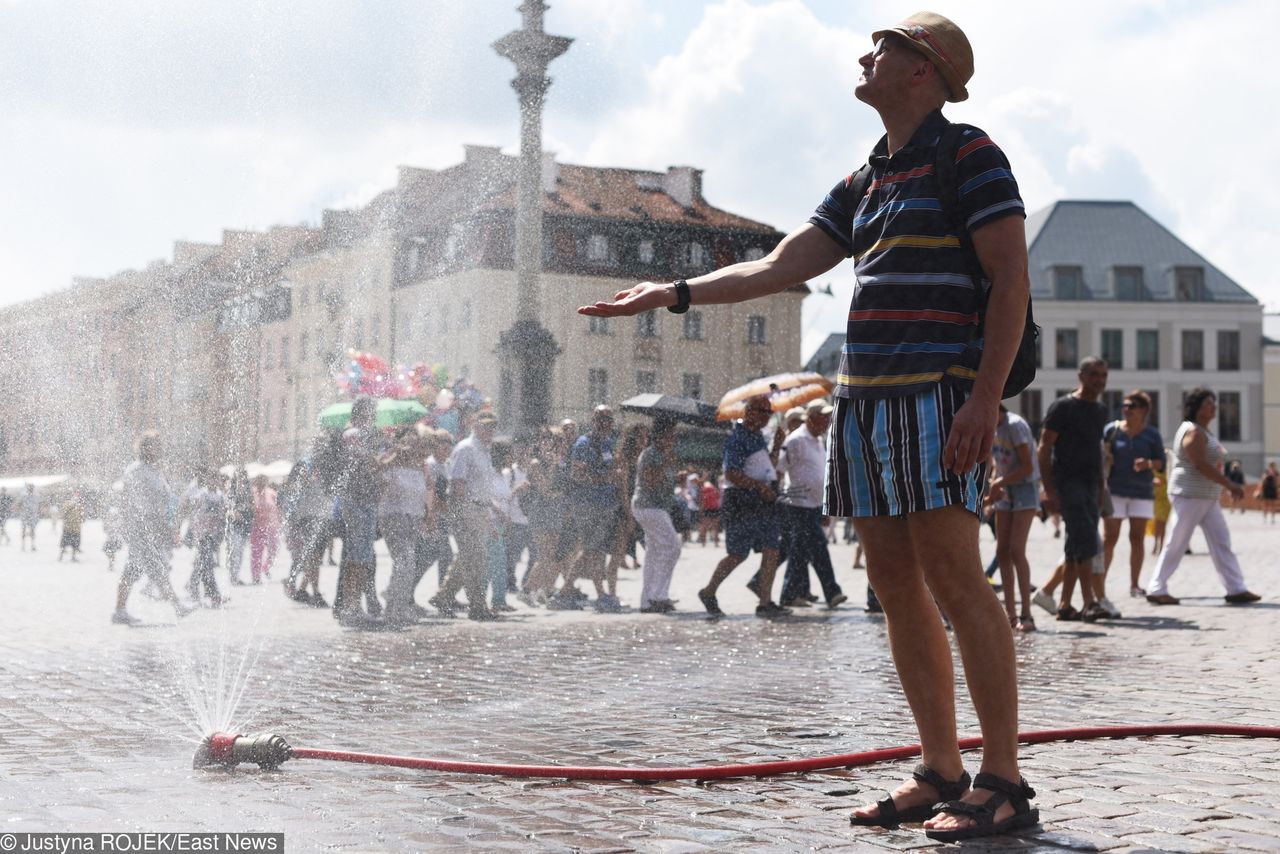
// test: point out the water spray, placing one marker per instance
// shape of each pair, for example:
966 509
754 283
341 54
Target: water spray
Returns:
270 751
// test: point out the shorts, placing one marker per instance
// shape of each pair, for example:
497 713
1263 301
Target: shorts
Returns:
886 457
70 539
592 529
1020 496
755 526
1132 508
1078 501
360 529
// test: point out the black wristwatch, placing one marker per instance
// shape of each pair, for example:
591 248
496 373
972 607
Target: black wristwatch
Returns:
682 298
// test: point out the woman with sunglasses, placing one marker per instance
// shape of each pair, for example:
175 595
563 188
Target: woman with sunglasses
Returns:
1136 450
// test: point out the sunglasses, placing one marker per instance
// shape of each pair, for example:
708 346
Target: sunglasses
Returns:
1127 405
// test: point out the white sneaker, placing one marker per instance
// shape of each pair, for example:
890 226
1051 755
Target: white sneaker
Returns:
1044 600
1112 611
121 617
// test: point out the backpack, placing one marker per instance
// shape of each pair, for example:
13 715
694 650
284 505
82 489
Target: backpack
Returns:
1023 370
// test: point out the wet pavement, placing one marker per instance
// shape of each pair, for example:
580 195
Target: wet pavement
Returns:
98 723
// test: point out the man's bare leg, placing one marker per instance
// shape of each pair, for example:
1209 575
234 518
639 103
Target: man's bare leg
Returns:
920 651
946 546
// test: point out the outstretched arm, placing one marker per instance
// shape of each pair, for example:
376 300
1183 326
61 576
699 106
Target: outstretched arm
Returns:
802 254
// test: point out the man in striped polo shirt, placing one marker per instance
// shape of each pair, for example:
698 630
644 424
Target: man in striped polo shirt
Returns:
917 402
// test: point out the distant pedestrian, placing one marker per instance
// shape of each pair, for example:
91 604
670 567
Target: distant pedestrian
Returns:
1136 452
72 522
471 476
6 510
402 513
1235 474
359 483
146 520
1015 499
1070 457
803 461
204 507
1269 491
651 508
239 521
749 509
264 537
29 515
1195 489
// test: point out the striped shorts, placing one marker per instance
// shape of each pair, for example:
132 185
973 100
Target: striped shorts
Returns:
886 457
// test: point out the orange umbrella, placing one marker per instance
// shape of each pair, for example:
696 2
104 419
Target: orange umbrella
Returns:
784 390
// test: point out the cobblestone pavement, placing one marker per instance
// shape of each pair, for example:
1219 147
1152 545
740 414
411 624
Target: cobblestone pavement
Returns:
98 722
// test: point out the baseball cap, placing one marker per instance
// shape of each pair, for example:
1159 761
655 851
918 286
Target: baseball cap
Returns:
486 416
793 412
943 42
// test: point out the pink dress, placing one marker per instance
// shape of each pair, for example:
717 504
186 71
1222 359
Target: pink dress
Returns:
264 537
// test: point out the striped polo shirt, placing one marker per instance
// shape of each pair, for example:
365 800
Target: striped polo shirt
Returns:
912 320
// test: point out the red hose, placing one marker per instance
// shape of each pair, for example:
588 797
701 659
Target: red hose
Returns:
766 769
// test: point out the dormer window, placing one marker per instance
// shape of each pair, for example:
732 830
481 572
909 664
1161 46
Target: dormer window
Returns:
1128 284
1068 283
1188 284
644 251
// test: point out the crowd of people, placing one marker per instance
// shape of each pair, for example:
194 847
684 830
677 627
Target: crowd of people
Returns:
1093 471
535 521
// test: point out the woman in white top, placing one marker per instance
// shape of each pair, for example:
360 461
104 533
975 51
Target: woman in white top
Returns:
402 512
1195 487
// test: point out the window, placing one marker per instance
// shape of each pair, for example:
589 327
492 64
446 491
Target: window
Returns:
756 330
1113 348
646 382
304 295
1229 416
695 256
1188 284
1068 283
302 346
598 325
1111 401
754 253
647 324
284 352
1228 350
375 331
597 247
644 251
1128 284
1192 350
282 420
300 413
1148 349
442 320
597 386
465 322
693 325
266 416
1066 348
1031 405
268 354
1154 415
692 385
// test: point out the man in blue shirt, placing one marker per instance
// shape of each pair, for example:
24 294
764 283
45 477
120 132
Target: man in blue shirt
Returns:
594 504
917 403
749 512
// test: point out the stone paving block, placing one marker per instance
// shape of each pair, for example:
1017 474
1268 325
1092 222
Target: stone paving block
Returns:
1236 840
1167 842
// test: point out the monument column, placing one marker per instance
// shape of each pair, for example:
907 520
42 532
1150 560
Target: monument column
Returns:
528 349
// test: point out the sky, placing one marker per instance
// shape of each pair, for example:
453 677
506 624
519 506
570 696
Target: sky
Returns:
126 125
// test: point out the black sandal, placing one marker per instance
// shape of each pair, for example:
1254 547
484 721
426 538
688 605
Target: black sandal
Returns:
888 814
983 814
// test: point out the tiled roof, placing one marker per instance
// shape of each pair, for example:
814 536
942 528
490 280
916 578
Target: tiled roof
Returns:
1099 236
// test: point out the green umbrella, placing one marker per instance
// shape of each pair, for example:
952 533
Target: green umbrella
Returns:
390 413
